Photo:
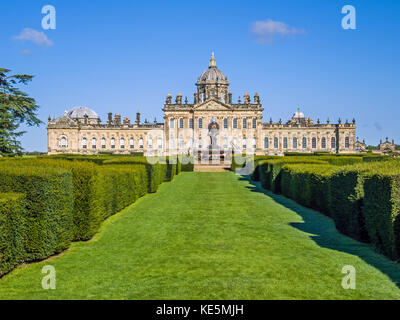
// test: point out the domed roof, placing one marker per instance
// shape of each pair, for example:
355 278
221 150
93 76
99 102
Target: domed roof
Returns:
80 112
212 73
298 114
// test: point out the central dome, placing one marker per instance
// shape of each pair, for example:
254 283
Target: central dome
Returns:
80 112
213 73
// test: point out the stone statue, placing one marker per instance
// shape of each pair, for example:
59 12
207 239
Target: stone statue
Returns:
213 132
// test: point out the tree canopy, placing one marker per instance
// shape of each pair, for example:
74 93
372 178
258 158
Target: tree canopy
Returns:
16 107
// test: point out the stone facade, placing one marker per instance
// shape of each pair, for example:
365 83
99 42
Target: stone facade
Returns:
186 127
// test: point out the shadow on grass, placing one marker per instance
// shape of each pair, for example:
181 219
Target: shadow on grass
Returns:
325 234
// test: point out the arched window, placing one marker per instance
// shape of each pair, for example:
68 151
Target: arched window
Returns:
284 143
266 143
222 96
234 123
103 143
347 142
254 123
314 143
244 123
131 143
276 142
122 143
333 143
191 123
181 143
244 144
94 146
159 143
63 142
200 123
112 143
150 142
304 143
171 123
294 143
225 123
141 143
323 143
181 123
84 143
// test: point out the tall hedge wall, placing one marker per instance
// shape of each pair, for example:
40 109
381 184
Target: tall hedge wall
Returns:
49 205
12 222
66 199
382 209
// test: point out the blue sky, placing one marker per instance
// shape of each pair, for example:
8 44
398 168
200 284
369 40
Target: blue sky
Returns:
126 56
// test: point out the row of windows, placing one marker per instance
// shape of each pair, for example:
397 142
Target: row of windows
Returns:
200 123
63 143
304 143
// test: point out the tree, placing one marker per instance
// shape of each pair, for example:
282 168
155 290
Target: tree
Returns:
16 107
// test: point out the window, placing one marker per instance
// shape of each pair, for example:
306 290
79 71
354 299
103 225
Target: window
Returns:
285 143
94 143
171 143
235 123
235 145
200 143
244 144
84 143
181 123
225 123
150 142
159 143
63 142
190 142
294 143
254 123
347 142
171 123
103 143
276 141
304 144
200 123
141 143
333 143
181 143
323 142
254 143
131 143
314 143
225 143
191 123
122 143
112 143
244 123
222 96
266 143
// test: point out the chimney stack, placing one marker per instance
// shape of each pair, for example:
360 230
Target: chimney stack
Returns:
137 118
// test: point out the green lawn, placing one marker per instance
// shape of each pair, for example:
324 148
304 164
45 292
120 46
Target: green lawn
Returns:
211 236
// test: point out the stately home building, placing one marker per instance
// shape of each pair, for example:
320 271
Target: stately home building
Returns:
213 120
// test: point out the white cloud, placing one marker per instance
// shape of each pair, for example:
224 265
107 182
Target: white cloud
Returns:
267 30
37 37
27 52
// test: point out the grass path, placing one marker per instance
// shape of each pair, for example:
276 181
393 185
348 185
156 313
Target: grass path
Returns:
211 236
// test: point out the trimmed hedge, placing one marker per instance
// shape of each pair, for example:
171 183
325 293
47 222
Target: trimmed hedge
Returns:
308 184
381 209
12 227
49 205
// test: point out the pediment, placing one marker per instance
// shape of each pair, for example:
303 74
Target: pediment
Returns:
212 105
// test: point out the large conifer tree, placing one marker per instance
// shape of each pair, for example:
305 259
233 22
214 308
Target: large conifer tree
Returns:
16 107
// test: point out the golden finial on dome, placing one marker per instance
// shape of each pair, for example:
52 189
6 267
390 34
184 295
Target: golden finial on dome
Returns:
213 62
